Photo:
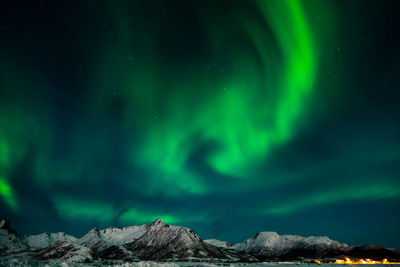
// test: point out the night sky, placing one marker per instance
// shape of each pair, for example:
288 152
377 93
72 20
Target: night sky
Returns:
229 117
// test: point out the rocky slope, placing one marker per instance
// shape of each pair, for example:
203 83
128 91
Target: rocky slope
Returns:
46 239
218 243
64 250
10 241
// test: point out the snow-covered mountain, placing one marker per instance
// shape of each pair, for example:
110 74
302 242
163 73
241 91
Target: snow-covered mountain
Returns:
272 245
108 244
162 242
65 251
218 243
122 235
10 241
46 239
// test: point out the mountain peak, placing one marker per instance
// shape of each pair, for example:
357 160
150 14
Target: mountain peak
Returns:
159 221
95 231
266 235
5 224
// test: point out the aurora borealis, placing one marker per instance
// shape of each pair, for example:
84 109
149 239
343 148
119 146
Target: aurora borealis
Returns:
229 117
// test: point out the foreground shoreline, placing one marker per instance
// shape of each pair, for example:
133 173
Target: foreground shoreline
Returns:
29 263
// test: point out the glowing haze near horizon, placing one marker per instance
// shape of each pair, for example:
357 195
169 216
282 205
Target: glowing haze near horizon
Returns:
226 117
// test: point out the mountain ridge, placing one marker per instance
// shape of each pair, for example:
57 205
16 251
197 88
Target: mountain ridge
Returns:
163 242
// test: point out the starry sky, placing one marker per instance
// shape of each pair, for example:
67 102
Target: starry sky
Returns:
229 117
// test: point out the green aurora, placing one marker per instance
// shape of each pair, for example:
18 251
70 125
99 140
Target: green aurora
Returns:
280 115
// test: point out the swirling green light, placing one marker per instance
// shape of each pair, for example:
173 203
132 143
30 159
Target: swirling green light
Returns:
250 138
8 195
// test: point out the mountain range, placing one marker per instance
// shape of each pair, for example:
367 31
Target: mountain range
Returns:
163 242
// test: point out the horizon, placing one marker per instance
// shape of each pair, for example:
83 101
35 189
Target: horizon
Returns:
226 117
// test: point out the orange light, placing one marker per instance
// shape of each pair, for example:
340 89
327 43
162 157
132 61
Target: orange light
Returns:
363 261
